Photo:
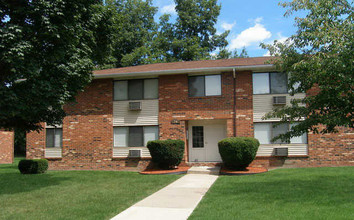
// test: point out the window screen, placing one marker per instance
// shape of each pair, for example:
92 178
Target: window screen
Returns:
120 136
54 137
213 85
151 133
280 129
136 137
196 86
278 83
120 90
50 137
151 90
261 83
198 136
262 131
135 88
299 139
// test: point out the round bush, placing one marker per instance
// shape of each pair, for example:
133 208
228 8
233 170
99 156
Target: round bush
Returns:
33 166
166 153
238 152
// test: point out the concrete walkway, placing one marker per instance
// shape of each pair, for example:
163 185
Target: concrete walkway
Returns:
174 202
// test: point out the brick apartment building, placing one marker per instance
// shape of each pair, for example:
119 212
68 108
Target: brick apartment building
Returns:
200 102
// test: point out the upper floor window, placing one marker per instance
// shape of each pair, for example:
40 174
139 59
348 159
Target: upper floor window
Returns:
54 137
209 85
265 132
270 83
136 89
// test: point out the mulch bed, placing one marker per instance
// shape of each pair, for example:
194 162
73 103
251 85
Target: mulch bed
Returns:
156 171
248 171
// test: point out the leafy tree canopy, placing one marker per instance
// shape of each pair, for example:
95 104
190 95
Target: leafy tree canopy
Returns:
318 59
47 51
191 37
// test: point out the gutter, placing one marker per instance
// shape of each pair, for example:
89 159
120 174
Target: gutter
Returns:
264 67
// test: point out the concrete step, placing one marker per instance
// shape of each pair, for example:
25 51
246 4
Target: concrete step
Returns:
204 170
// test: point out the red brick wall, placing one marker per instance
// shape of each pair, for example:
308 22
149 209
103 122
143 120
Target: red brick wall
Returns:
6 147
87 134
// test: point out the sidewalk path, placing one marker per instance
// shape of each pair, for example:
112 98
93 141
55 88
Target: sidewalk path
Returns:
174 202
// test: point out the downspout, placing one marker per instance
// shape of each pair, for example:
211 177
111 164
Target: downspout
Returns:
234 95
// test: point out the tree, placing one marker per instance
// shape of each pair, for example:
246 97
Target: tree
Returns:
319 60
133 30
47 52
192 36
226 54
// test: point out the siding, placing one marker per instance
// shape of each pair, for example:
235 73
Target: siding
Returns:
54 152
262 104
147 116
124 151
293 149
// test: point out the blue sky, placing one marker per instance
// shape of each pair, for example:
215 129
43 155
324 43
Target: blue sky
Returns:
250 22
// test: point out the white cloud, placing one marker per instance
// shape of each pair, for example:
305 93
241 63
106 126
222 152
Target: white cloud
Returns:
228 26
169 9
251 36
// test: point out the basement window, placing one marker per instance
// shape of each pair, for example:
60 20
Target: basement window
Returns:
54 137
134 136
209 85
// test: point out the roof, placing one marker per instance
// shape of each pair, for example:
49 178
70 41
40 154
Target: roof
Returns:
184 66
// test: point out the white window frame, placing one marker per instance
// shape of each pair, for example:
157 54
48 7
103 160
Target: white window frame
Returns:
127 135
205 93
143 89
269 84
272 134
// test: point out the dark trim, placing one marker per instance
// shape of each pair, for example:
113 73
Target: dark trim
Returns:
158 85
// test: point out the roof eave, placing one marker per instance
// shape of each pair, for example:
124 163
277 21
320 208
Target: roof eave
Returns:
264 67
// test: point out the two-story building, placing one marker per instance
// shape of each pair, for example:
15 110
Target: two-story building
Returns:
199 102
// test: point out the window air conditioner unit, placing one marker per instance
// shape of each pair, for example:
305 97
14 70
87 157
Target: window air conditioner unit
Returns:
134 106
279 100
283 151
134 153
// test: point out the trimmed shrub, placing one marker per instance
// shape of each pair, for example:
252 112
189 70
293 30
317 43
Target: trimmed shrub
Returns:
33 166
166 153
238 152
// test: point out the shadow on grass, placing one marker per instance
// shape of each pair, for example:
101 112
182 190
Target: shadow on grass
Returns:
12 183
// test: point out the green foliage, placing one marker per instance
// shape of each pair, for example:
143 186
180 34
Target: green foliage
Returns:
238 152
53 45
33 166
226 54
319 59
166 153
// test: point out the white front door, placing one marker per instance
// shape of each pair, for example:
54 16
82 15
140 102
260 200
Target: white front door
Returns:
204 136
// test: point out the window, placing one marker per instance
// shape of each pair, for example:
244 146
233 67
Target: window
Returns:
136 89
54 137
209 85
135 136
264 132
198 136
270 83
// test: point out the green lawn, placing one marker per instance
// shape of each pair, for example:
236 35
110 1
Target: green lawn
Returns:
308 193
73 194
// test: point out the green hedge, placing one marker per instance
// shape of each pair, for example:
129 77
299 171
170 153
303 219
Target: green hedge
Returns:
33 166
166 153
238 152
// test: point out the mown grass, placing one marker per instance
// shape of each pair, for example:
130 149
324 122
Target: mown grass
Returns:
304 193
73 194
